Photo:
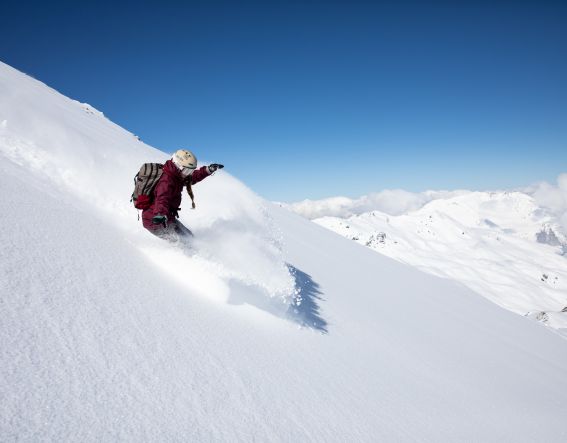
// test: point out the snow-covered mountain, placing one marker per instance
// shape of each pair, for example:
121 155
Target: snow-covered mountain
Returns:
270 328
503 245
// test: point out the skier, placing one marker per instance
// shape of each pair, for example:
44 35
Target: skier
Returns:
179 172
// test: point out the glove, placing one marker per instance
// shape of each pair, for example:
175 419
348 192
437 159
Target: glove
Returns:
160 220
213 167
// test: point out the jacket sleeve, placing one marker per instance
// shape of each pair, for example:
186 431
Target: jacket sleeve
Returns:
199 174
163 193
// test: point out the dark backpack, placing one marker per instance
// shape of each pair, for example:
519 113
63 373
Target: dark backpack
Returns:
144 184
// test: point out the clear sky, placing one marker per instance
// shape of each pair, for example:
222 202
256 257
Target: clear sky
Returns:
310 99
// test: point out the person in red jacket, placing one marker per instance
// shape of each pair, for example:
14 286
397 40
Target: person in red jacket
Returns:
179 172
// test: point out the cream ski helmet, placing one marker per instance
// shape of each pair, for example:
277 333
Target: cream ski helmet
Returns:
185 161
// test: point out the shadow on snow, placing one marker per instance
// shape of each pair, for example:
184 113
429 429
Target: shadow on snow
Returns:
303 308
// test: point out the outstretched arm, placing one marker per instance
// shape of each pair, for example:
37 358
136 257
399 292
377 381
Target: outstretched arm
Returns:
204 171
199 174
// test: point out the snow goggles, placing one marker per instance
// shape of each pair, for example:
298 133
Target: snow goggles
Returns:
187 171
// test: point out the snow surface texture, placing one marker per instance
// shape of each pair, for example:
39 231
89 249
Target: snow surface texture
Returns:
109 334
502 245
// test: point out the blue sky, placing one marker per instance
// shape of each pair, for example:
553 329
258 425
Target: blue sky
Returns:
315 99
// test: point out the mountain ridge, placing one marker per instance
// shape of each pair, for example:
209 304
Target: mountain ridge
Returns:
500 244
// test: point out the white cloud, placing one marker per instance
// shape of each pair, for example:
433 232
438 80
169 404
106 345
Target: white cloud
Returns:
553 198
333 206
389 201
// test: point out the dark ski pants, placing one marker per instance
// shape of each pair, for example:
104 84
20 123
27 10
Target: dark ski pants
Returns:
175 232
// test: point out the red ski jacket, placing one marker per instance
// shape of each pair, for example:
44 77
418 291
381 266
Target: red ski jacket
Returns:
167 194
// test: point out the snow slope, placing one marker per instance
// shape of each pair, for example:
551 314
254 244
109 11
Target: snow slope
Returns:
99 342
500 244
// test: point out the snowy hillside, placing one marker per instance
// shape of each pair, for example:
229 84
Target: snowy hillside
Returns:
269 328
500 244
